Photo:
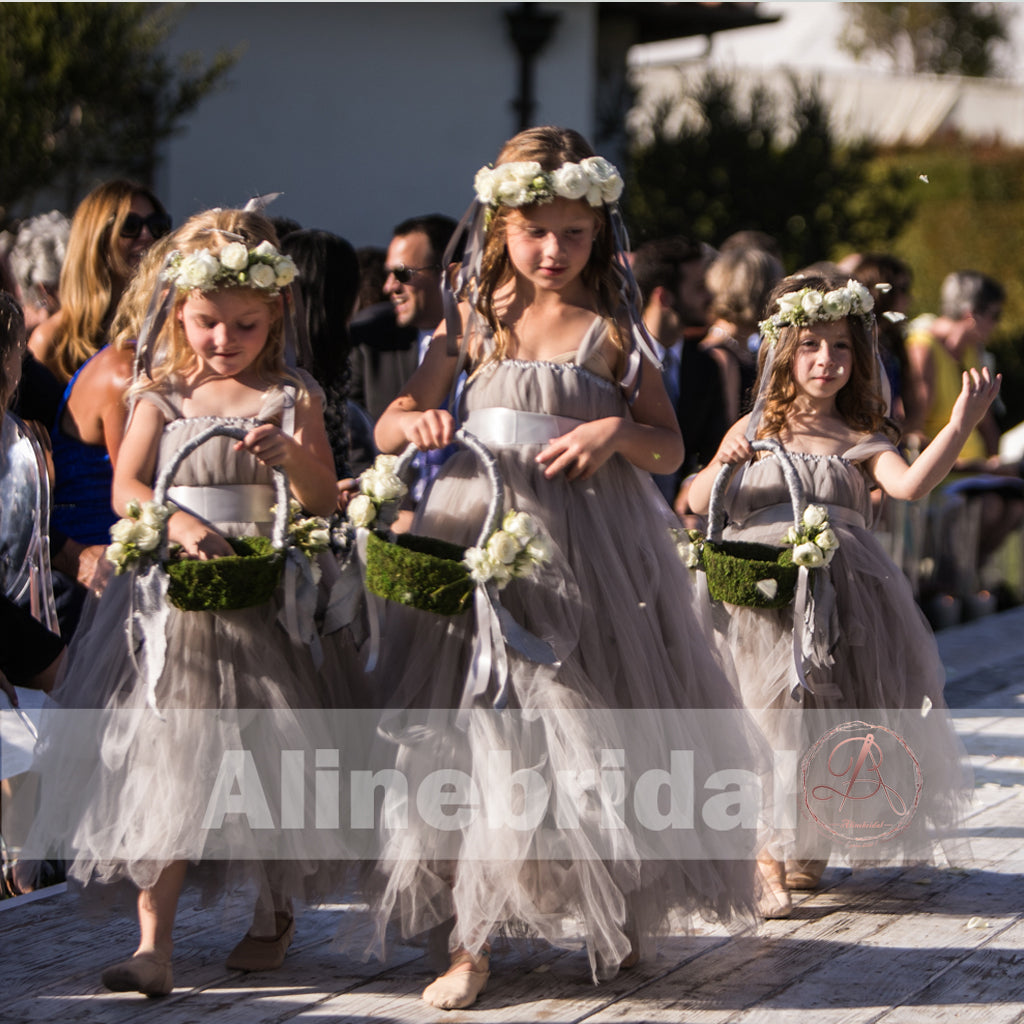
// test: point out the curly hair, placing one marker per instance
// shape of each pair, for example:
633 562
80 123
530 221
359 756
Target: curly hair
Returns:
171 354
859 402
550 147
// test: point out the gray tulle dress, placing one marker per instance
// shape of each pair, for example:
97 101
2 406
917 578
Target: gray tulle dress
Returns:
126 786
883 666
635 679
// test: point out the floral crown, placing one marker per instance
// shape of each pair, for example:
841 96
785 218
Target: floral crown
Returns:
523 182
236 265
809 305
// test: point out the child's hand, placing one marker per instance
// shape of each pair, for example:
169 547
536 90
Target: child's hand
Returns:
434 428
976 395
197 540
270 444
581 452
347 490
734 449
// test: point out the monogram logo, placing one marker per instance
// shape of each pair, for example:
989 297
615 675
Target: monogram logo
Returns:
861 783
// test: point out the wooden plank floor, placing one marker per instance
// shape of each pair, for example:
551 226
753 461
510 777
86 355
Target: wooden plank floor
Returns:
921 945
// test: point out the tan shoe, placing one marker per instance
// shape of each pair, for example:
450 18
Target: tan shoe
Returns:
774 900
256 954
148 972
458 988
804 874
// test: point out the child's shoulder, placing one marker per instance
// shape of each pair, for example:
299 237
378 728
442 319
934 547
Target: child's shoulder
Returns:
866 446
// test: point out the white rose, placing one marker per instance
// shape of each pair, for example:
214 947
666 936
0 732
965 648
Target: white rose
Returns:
602 173
199 270
286 271
808 554
478 564
570 181
502 548
116 553
811 302
386 487
483 184
234 256
361 510
501 574
152 515
789 304
520 525
146 538
815 515
266 249
387 463
539 548
121 531
837 304
860 294
791 537
319 538
827 540
262 276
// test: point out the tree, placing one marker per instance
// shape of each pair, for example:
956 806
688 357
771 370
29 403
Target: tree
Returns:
943 38
735 164
86 92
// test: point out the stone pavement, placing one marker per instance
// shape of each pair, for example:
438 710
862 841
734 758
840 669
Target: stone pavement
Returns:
925 945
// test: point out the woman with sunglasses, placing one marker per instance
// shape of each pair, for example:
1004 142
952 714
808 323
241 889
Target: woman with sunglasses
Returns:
112 229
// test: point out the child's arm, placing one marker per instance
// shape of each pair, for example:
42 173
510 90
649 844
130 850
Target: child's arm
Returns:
734 448
414 415
136 468
650 440
910 482
305 456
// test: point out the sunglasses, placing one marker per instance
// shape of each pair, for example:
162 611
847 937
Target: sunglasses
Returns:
158 223
403 275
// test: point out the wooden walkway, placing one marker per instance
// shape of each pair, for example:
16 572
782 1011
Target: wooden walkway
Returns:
913 946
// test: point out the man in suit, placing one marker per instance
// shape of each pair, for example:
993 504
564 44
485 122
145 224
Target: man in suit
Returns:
390 338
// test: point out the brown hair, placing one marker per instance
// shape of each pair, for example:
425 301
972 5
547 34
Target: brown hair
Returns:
94 272
740 280
170 351
551 148
859 402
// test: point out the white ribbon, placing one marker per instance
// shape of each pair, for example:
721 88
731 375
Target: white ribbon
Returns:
151 611
298 610
372 607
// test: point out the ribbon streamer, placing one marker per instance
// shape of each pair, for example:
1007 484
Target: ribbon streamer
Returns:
149 592
298 610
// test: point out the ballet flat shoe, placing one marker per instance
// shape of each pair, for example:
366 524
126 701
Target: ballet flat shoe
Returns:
149 973
255 954
804 874
456 991
774 901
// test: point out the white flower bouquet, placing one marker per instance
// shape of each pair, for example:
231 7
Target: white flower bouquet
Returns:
514 551
813 541
136 537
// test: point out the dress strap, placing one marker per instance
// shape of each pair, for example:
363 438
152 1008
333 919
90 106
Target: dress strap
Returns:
226 503
501 427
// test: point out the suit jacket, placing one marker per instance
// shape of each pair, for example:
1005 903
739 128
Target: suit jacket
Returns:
383 357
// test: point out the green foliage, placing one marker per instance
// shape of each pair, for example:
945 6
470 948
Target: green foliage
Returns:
86 93
970 215
940 38
740 163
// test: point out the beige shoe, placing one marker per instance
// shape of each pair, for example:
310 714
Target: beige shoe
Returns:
774 900
148 972
457 989
256 954
804 874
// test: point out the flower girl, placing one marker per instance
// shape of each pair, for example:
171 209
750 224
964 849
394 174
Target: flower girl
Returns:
562 389
171 690
871 653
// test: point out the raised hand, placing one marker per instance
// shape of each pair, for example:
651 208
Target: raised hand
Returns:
977 393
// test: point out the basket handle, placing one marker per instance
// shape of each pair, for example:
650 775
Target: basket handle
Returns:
716 508
496 507
163 482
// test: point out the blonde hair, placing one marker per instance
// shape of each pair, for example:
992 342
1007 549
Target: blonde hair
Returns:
551 148
740 281
169 352
94 272
859 402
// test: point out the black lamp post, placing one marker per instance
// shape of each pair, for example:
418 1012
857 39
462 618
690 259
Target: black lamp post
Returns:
529 30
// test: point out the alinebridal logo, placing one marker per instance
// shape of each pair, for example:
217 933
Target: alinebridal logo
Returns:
861 783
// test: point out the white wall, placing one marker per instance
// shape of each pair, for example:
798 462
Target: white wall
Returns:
364 113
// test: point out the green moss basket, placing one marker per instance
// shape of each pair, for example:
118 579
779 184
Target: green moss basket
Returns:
421 572
226 584
734 568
